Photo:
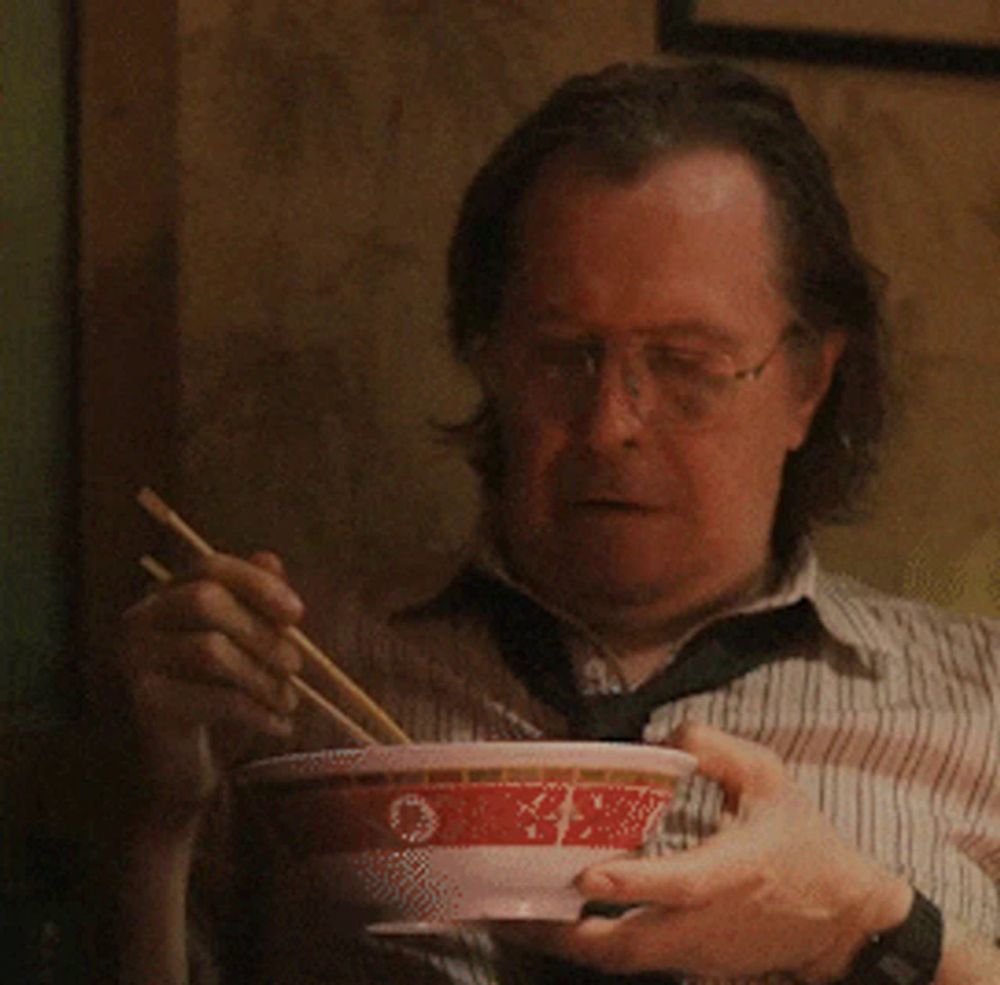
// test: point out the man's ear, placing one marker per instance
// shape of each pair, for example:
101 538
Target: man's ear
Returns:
814 383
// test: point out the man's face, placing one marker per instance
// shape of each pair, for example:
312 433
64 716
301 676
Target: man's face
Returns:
611 507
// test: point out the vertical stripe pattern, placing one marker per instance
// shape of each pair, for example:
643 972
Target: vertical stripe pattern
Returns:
889 720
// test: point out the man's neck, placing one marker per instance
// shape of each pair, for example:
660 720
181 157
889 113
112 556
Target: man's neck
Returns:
642 645
640 636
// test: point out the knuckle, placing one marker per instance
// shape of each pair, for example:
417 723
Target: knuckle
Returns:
287 656
206 597
212 650
270 562
766 773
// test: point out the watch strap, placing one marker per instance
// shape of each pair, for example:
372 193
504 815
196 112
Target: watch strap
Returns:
905 955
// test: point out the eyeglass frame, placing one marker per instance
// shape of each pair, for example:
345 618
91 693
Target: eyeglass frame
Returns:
734 379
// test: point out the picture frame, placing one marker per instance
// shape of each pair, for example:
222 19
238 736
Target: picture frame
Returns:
868 34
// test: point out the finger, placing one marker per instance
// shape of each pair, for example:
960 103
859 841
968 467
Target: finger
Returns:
543 936
648 939
208 605
271 596
620 945
187 704
207 657
724 864
211 657
269 561
260 581
741 767
261 586
630 944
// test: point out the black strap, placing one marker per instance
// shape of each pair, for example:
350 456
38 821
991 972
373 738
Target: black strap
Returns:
529 638
531 642
710 660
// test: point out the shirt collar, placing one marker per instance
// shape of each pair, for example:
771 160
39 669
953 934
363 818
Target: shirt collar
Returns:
844 609
837 601
838 604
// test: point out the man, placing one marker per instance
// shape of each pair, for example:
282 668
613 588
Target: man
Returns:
679 350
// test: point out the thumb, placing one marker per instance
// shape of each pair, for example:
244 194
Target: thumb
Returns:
689 879
739 766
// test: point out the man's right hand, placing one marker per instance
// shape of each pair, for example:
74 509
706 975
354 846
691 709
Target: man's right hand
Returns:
205 657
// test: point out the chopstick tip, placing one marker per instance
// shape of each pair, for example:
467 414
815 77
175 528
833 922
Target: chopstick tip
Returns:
160 572
153 505
162 513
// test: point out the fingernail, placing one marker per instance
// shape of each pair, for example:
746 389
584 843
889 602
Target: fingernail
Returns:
596 882
292 601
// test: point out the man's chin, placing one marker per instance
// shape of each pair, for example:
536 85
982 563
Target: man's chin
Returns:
598 574
589 591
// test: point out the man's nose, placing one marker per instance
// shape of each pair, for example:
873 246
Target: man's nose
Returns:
620 403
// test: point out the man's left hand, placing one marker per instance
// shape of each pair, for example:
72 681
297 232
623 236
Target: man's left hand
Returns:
775 889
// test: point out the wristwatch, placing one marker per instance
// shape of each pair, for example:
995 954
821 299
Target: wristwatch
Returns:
906 955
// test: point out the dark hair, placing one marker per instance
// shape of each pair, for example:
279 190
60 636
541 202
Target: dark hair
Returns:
627 117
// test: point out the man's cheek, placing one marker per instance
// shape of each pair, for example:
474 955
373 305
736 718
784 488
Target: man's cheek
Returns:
533 461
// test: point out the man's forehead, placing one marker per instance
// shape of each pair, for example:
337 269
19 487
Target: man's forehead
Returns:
713 180
698 180
713 193
686 246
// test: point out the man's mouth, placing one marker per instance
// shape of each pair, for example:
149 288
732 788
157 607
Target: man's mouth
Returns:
613 506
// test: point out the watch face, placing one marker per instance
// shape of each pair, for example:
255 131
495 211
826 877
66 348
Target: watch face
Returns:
898 971
906 955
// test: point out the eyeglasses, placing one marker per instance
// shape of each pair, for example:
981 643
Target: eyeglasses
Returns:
668 385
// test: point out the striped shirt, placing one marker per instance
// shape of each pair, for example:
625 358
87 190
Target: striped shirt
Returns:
889 719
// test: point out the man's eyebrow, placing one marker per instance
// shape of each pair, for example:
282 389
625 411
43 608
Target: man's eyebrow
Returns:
691 330
679 330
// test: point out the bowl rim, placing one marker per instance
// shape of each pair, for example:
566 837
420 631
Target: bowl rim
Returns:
615 757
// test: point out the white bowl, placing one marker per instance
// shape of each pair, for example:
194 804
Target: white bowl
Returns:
429 835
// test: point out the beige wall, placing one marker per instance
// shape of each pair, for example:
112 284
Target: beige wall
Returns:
321 150
324 154
266 190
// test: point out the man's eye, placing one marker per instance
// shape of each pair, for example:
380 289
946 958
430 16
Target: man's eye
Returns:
666 361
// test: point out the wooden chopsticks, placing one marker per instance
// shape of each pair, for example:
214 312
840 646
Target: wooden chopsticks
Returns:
348 691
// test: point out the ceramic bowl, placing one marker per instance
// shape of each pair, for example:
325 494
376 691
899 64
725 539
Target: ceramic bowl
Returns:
425 836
